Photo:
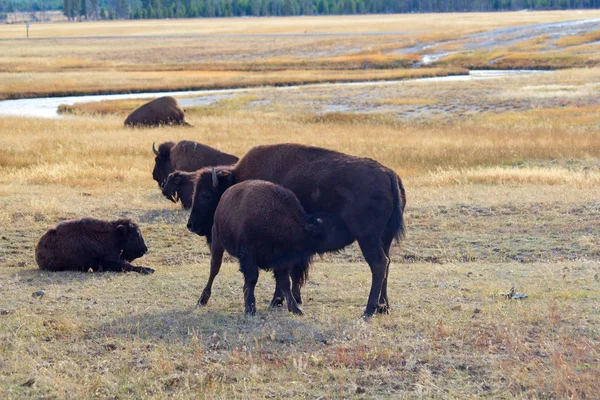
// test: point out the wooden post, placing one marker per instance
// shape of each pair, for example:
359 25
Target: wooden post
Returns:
27 26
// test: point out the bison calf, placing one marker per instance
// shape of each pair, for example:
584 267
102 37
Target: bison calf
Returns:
180 186
79 245
264 226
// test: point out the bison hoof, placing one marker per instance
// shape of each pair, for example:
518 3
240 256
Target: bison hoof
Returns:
276 302
251 310
296 311
203 299
383 309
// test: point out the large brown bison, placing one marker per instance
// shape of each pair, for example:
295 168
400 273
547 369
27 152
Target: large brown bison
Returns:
264 226
365 200
186 156
162 111
79 245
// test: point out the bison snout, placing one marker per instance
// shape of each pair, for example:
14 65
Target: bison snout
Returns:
190 227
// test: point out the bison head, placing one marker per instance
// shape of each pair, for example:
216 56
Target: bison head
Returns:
131 240
162 162
180 186
209 186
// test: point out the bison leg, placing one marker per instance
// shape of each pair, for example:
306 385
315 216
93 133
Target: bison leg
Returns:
298 274
122 266
283 281
383 298
277 296
215 266
378 261
250 271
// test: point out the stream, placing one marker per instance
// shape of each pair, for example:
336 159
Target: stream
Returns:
46 107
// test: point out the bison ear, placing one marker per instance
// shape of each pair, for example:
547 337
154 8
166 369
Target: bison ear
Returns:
225 176
121 230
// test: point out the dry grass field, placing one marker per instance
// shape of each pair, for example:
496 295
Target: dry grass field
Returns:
503 181
122 56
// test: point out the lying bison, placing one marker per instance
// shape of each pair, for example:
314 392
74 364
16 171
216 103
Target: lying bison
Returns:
186 156
264 226
79 245
161 111
365 199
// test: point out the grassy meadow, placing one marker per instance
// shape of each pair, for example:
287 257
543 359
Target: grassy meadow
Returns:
502 178
131 56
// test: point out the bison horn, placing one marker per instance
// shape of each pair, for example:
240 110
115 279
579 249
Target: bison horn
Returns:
215 180
154 150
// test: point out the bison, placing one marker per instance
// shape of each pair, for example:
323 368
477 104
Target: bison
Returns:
264 226
160 111
186 156
180 186
79 245
365 199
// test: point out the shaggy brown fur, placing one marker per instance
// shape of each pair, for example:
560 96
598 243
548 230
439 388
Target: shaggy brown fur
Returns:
365 198
79 245
186 156
179 186
161 111
264 226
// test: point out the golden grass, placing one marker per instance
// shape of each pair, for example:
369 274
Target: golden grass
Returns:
116 56
499 59
505 196
450 24
72 83
408 101
514 176
575 40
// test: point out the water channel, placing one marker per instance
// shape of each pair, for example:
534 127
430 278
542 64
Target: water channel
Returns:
46 107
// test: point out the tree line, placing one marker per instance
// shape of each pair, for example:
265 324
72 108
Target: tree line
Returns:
146 9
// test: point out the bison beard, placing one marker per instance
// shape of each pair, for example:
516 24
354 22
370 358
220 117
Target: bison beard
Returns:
79 245
365 199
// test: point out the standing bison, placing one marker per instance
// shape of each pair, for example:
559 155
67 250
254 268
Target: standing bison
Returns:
180 186
186 156
161 111
365 200
264 226
79 245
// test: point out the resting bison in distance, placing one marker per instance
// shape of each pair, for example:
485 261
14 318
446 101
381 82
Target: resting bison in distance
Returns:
365 200
79 245
186 156
264 226
161 111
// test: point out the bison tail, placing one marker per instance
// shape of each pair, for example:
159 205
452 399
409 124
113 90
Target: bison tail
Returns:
395 228
299 272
